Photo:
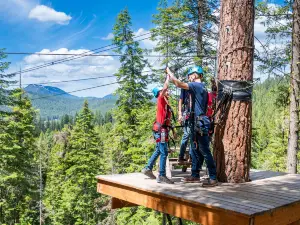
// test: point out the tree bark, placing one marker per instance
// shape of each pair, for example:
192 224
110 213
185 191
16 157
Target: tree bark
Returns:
232 145
294 94
200 5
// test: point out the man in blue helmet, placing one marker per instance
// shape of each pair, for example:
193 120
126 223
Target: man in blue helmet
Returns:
161 128
199 126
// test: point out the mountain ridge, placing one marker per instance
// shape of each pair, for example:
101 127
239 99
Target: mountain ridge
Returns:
53 102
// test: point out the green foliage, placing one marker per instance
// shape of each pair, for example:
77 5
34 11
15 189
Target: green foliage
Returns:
133 83
276 52
179 33
137 216
71 148
18 180
123 141
4 84
71 196
270 125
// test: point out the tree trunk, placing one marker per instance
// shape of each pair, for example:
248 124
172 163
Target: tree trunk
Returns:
294 95
199 30
232 146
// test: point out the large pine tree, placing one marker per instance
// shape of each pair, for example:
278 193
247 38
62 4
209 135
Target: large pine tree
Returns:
133 97
133 83
293 145
18 170
75 164
232 143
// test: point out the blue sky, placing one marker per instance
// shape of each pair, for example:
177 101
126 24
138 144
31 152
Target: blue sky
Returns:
90 21
65 26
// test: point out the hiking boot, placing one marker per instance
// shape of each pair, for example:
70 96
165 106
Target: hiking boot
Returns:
181 161
148 173
191 180
164 179
210 183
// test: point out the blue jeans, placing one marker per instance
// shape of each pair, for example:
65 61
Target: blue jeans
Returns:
184 140
200 152
162 150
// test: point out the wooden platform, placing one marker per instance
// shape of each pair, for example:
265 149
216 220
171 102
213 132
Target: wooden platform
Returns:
271 198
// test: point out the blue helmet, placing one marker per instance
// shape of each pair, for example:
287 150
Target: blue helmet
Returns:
195 69
155 92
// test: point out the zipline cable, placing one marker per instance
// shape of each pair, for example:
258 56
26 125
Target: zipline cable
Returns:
75 80
84 54
64 60
93 55
66 81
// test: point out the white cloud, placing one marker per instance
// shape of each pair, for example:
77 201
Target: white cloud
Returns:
46 14
15 10
147 43
108 37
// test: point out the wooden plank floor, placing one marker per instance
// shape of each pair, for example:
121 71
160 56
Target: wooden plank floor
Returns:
270 198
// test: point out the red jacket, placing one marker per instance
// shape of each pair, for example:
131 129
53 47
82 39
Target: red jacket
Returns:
210 103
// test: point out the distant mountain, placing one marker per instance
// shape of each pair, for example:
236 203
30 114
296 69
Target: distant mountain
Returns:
47 90
110 96
62 102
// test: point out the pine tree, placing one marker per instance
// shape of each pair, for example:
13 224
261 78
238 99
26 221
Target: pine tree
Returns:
185 32
99 120
293 145
172 35
108 117
232 144
44 146
132 94
132 91
17 165
79 161
5 82
53 195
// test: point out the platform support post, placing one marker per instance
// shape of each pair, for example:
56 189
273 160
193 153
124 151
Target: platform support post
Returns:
165 218
179 221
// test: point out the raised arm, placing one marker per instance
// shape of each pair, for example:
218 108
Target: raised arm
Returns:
166 85
177 82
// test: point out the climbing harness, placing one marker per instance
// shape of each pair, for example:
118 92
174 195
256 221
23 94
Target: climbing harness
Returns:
163 129
196 125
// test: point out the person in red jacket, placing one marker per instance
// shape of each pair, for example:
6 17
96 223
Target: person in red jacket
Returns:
161 128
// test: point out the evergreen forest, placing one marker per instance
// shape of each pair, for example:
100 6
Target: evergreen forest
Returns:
48 166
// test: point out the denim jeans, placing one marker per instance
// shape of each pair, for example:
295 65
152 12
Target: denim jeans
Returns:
200 152
162 150
184 140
